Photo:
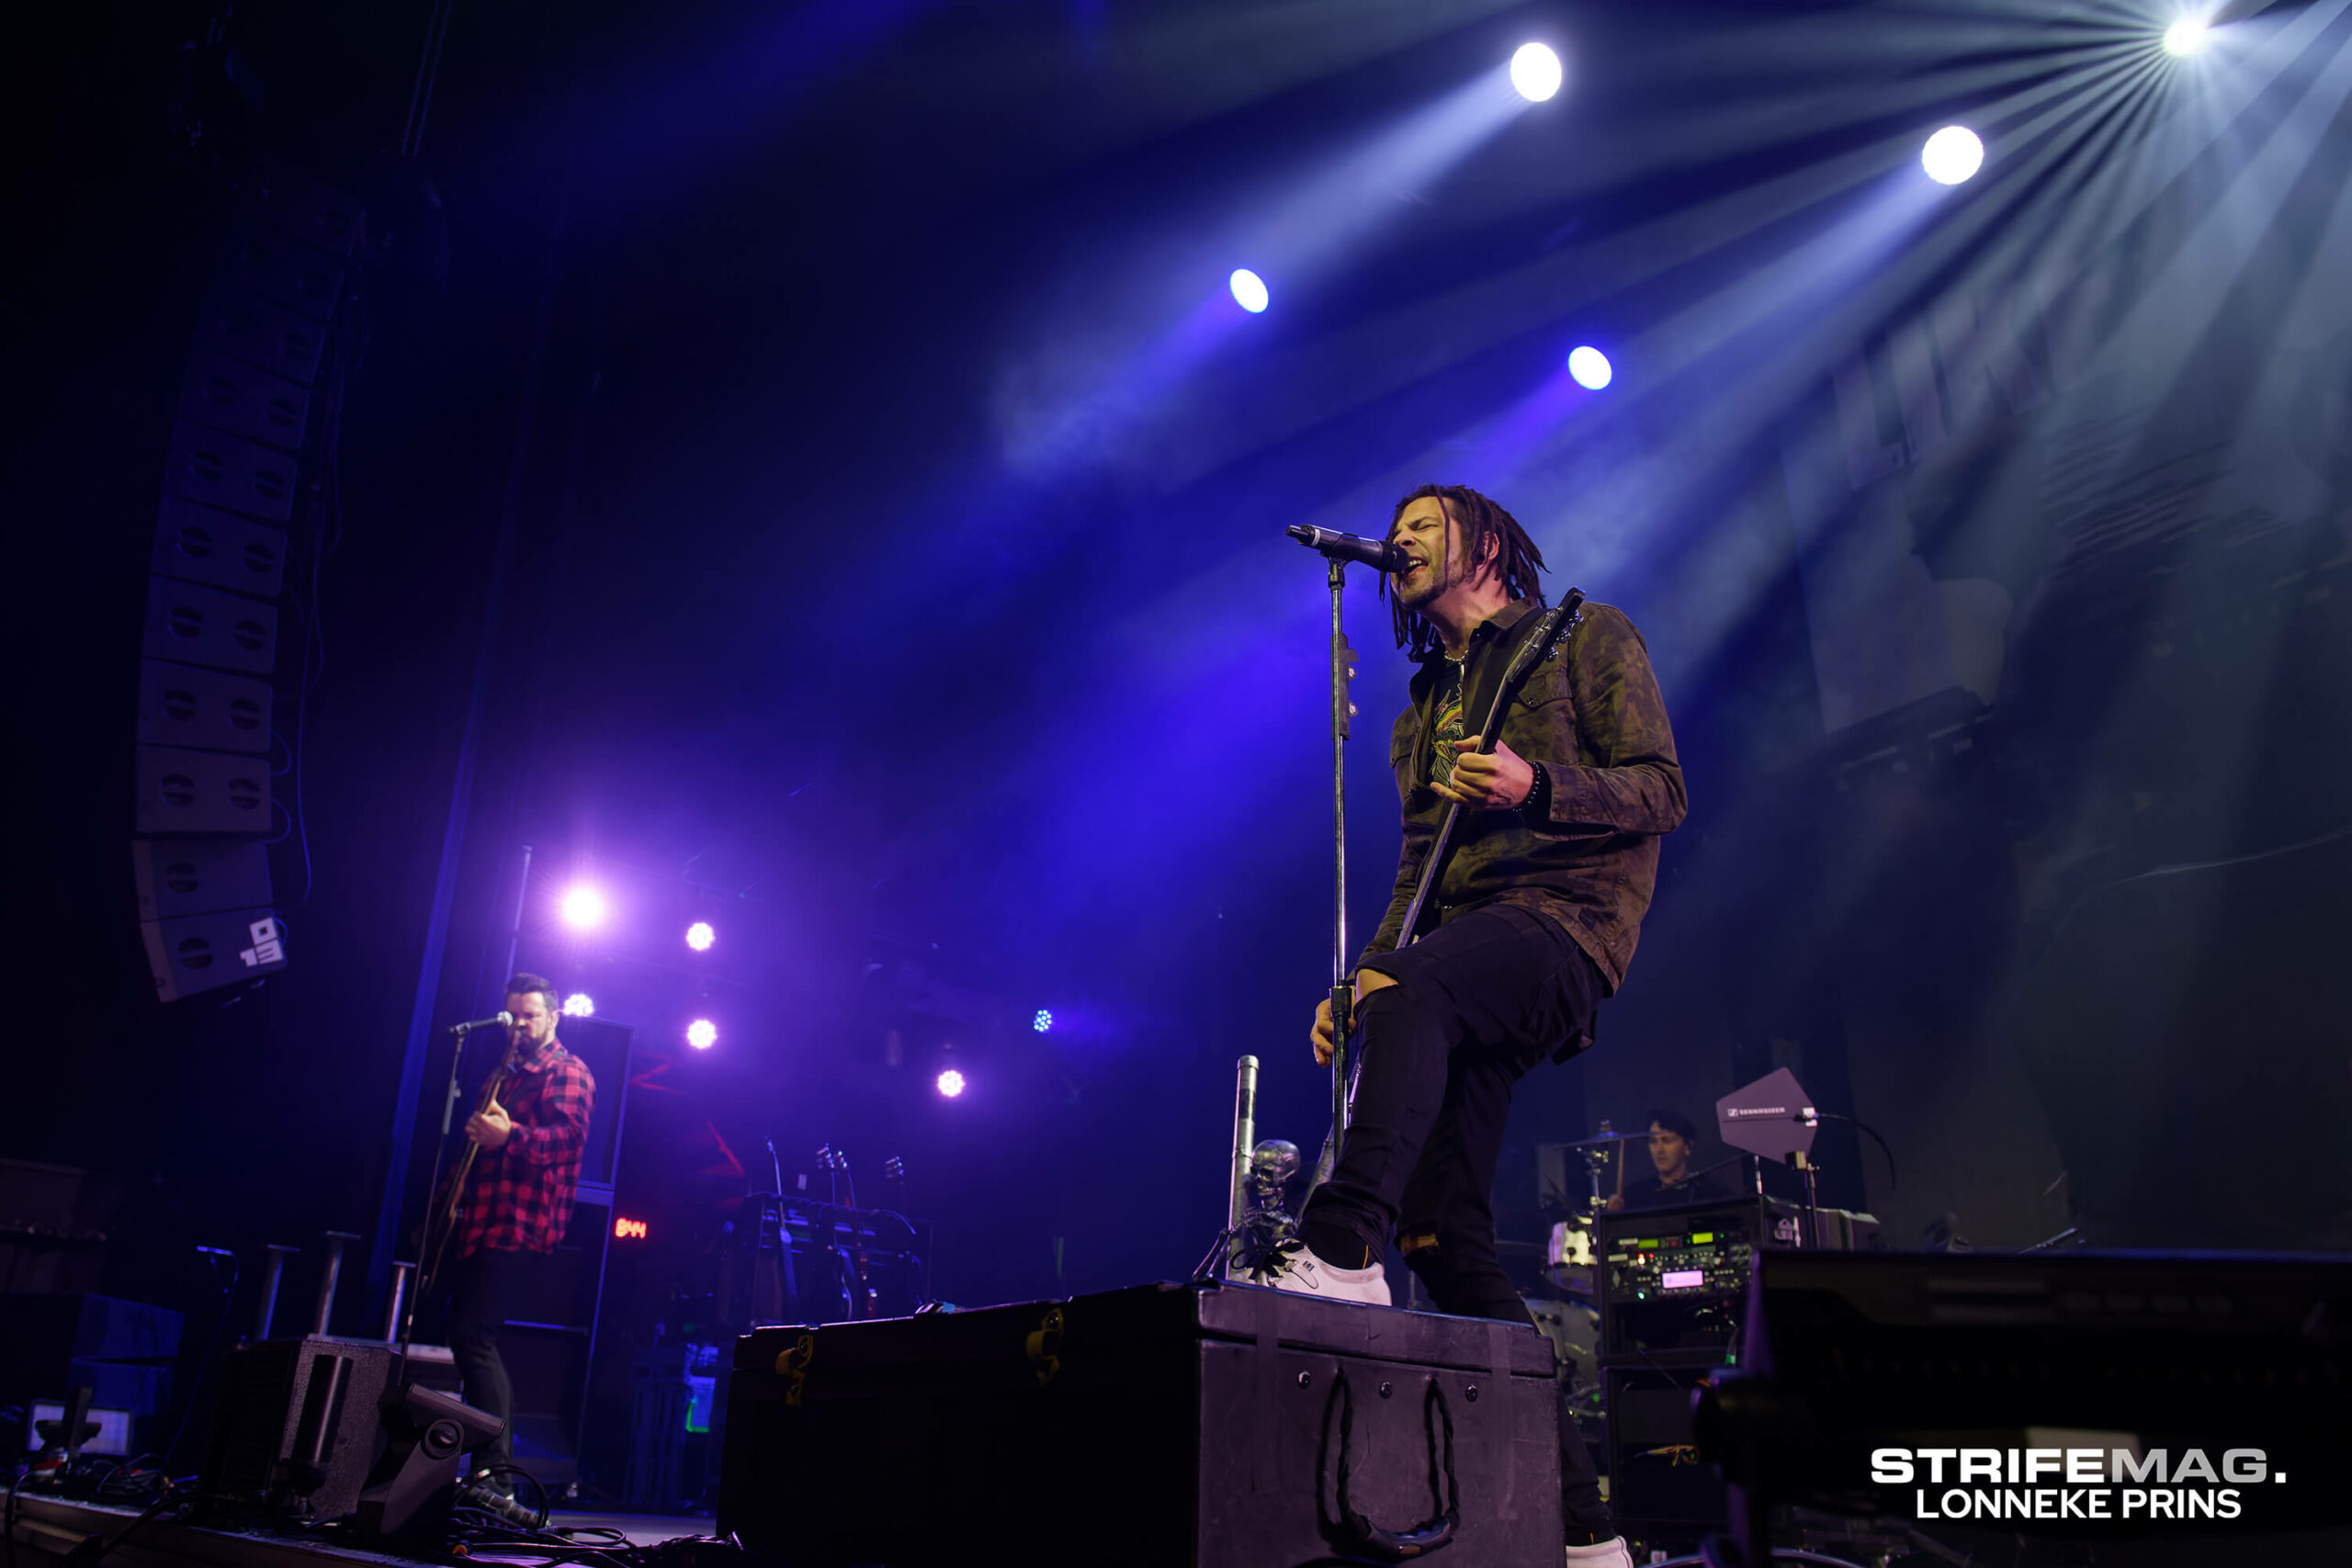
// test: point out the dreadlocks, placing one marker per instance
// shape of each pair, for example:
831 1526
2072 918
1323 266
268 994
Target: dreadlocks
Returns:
1476 520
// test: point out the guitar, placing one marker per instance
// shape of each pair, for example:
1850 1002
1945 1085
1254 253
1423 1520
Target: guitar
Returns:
1533 649
441 1220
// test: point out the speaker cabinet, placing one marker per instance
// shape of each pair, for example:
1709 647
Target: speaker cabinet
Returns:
297 1426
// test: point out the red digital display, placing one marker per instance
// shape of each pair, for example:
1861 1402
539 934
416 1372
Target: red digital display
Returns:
628 1230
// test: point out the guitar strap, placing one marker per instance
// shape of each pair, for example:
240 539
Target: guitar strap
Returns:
1479 697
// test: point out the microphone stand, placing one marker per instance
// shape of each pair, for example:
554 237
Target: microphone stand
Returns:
458 1035
1337 550
1343 995
432 1184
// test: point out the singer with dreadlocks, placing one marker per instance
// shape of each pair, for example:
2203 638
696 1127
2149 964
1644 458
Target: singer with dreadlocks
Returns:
1531 924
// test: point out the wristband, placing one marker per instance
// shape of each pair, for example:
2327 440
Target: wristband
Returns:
1537 806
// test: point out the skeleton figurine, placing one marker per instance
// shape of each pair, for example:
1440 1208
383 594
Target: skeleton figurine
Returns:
1272 1164
1269 1222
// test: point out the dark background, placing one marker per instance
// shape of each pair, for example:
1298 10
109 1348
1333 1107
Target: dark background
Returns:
896 504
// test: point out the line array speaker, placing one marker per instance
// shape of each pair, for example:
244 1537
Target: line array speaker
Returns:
247 438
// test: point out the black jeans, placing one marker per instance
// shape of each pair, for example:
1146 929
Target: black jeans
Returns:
1478 1003
481 1287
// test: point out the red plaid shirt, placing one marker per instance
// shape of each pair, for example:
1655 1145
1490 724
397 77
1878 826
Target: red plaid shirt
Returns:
519 1199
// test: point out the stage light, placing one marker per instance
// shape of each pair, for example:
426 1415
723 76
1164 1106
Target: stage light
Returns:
701 1033
580 1004
1043 1021
699 936
2187 36
1248 290
1951 155
1591 368
951 1083
583 909
1535 72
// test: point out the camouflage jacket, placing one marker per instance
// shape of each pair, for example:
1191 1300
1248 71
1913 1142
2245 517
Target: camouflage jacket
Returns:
1592 718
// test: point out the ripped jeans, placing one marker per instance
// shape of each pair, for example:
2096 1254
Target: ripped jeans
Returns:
1478 1003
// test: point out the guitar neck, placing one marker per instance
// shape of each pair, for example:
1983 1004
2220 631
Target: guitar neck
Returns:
491 1090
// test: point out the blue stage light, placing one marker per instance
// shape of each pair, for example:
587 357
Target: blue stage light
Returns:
1043 1021
1248 290
2186 36
1951 155
951 1083
699 936
1591 368
580 1004
702 1034
1535 72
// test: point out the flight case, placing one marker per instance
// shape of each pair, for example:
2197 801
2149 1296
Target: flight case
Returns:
1229 1425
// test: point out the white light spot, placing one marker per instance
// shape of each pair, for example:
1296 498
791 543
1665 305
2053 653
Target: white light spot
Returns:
1535 72
1951 155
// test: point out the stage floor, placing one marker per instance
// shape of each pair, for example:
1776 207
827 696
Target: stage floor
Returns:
49 1527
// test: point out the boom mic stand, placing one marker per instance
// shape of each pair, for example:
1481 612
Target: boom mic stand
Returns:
1343 669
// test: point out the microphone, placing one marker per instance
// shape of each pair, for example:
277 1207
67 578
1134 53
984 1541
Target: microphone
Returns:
1378 554
495 1020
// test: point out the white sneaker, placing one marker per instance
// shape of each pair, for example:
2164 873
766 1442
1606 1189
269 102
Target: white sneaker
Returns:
1610 1553
1293 1266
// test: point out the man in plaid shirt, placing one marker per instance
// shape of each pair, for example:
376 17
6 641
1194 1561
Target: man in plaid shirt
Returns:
518 1202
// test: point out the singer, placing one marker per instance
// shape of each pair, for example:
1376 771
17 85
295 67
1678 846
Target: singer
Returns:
1532 923
529 1132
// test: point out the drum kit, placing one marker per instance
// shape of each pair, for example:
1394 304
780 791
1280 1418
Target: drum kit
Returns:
1572 1319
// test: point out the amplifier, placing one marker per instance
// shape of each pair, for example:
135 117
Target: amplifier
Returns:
1676 1279
791 1259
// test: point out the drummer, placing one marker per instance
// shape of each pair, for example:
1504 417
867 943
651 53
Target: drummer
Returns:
1672 1136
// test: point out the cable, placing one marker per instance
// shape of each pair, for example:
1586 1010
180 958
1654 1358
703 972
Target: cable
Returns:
127 1482
477 1528
1850 1122
1205 1271
493 1472
548 1547
85 1556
